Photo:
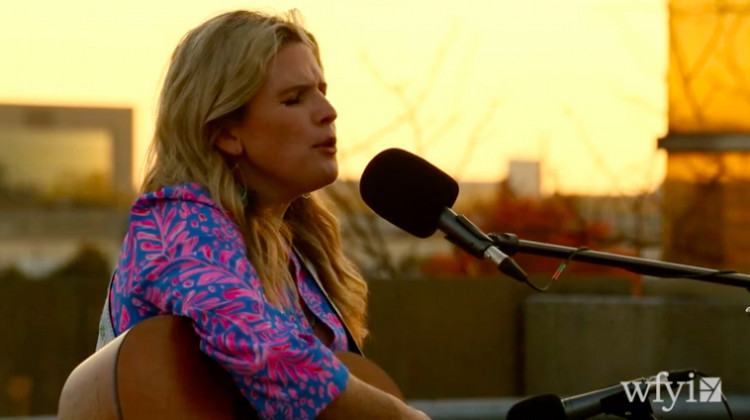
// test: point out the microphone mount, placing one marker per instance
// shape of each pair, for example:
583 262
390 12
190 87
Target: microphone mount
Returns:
479 244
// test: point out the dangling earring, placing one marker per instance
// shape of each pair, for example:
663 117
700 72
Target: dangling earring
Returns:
241 188
244 197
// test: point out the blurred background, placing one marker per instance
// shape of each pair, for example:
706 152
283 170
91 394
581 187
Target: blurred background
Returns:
620 125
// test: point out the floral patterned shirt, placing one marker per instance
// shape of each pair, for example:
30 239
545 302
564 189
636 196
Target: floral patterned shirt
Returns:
182 255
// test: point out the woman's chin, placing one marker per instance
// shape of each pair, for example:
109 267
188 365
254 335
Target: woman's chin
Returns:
321 181
328 181
329 176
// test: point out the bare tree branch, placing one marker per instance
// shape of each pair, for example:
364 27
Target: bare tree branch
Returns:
474 138
365 232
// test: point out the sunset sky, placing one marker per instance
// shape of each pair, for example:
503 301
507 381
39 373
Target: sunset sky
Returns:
576 84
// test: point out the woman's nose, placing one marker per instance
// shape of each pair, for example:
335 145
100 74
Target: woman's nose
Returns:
327 113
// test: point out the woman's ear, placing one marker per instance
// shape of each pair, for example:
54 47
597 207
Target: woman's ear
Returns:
229 143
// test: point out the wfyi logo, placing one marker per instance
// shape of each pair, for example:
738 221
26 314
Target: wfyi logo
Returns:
709 389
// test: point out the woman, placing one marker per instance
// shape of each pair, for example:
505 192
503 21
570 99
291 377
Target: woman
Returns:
227 233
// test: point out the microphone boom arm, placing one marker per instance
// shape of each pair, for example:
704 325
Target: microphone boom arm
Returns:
510 244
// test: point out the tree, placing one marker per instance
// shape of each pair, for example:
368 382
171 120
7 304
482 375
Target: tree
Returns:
553 219
368 237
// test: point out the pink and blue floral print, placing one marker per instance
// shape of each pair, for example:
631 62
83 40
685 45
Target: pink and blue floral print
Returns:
183 255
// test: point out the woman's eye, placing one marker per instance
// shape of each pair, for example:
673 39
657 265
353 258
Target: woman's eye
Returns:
293 100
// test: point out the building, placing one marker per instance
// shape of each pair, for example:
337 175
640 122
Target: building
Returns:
524 178
65 182
706 200
706 208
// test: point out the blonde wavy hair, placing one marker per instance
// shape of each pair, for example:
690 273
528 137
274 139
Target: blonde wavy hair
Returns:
215 71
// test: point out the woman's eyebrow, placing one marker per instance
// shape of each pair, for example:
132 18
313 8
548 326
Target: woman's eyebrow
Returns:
323 86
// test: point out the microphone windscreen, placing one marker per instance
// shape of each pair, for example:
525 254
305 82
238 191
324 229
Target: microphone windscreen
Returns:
547 406
407 191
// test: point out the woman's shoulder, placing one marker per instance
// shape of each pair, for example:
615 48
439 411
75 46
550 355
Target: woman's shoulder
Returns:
184 208
189 193
183 220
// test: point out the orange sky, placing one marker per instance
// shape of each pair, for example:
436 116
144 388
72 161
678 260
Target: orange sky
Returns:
577 84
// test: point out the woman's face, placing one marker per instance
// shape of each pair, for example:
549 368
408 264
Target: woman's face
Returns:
287 137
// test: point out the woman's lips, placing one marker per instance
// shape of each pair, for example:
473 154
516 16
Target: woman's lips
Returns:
327 146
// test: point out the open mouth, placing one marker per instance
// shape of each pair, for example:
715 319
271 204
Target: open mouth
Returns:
331 142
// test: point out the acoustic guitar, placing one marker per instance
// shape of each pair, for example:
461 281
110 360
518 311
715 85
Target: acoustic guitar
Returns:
156 370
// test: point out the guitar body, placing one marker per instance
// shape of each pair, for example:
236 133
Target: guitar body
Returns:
156 370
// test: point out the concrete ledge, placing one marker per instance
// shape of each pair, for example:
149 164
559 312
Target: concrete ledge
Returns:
575 343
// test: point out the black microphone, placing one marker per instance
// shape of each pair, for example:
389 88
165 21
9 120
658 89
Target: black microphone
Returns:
416 196
609 400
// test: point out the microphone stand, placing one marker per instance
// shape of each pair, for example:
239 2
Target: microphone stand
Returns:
618 405
510 244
